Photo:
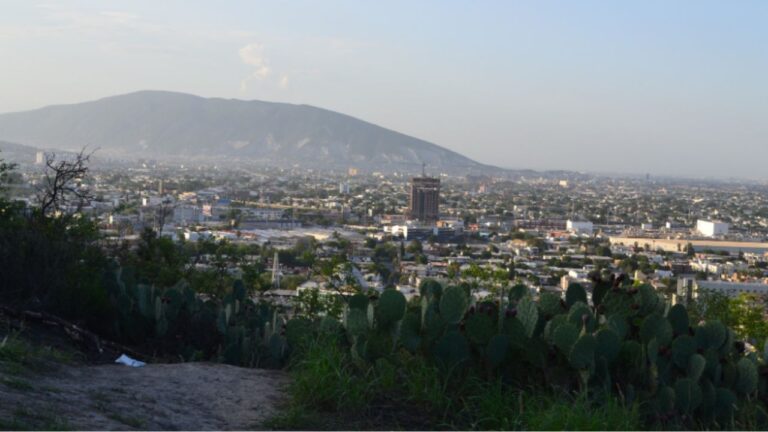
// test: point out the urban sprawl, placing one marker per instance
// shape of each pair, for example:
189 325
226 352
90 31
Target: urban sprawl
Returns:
377 230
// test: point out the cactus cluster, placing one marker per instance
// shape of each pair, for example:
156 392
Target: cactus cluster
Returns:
176 320
623 340
626 340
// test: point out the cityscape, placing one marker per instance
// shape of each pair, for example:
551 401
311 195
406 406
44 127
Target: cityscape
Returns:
541 230
337 216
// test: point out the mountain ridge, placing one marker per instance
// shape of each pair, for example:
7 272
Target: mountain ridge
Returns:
153 123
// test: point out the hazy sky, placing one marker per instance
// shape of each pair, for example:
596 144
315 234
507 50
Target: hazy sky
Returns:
666 87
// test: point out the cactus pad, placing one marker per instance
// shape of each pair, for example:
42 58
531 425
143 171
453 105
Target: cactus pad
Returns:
528 314
453 304
391 307
575 293
678 318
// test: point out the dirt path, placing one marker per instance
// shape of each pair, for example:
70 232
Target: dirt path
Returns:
184 396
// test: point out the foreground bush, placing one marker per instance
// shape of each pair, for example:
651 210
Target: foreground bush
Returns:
629 348
179 323
330 391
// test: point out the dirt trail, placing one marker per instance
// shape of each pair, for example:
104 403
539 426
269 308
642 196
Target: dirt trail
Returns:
184 396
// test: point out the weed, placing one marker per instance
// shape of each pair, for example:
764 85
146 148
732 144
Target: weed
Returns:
17 384
325 378
18 356
25 419
331 391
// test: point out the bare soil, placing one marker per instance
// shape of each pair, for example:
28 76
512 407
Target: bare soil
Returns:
182 396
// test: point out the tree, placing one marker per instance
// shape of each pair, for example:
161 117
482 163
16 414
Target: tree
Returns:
61 186
54 264
158 260
370 242
414 247
312 304
6 170
745 314
710 305
748 312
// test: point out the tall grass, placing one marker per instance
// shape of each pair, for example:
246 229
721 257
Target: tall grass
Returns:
330 390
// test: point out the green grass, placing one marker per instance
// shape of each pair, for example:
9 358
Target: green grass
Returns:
551 413
19 359
102 402
327 379
18 356
330 390
25 419
16 383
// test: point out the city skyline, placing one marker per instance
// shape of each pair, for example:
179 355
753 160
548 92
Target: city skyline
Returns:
668 89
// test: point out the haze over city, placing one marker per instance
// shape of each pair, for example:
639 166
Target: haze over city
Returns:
395 215
667 88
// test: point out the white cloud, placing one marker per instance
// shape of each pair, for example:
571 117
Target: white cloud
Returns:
253 55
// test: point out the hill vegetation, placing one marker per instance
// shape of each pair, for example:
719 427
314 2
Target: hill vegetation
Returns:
622 358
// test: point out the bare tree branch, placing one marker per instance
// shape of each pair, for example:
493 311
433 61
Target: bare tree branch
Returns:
61 186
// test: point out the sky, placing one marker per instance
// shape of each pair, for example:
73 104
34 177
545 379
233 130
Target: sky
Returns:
661 87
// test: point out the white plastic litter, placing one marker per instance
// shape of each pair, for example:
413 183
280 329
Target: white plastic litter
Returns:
124 359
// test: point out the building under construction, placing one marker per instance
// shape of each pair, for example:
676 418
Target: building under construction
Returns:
425 198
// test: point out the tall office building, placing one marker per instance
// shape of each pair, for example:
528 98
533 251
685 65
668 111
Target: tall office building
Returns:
425 198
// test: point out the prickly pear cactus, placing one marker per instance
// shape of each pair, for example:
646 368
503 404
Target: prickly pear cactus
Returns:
565 336
410 332
357 322
582 355
575 293
497 349
431 289
696 365
358 301
608 345
746 382
688 395
550 304
528 314
452 349
480 327
655 326
453 304
517 292
683 347
391 308
678 318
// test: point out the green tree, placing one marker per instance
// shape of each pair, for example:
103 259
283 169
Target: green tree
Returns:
48 263
748 316
414 247
158 260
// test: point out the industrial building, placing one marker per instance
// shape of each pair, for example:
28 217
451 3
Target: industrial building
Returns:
709 228
579 227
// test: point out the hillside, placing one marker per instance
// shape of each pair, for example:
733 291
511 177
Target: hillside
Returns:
17 153
175 125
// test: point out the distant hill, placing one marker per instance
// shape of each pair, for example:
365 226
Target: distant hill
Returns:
16 153
175 125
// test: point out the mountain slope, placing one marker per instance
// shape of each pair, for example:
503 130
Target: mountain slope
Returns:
165 124
16 153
